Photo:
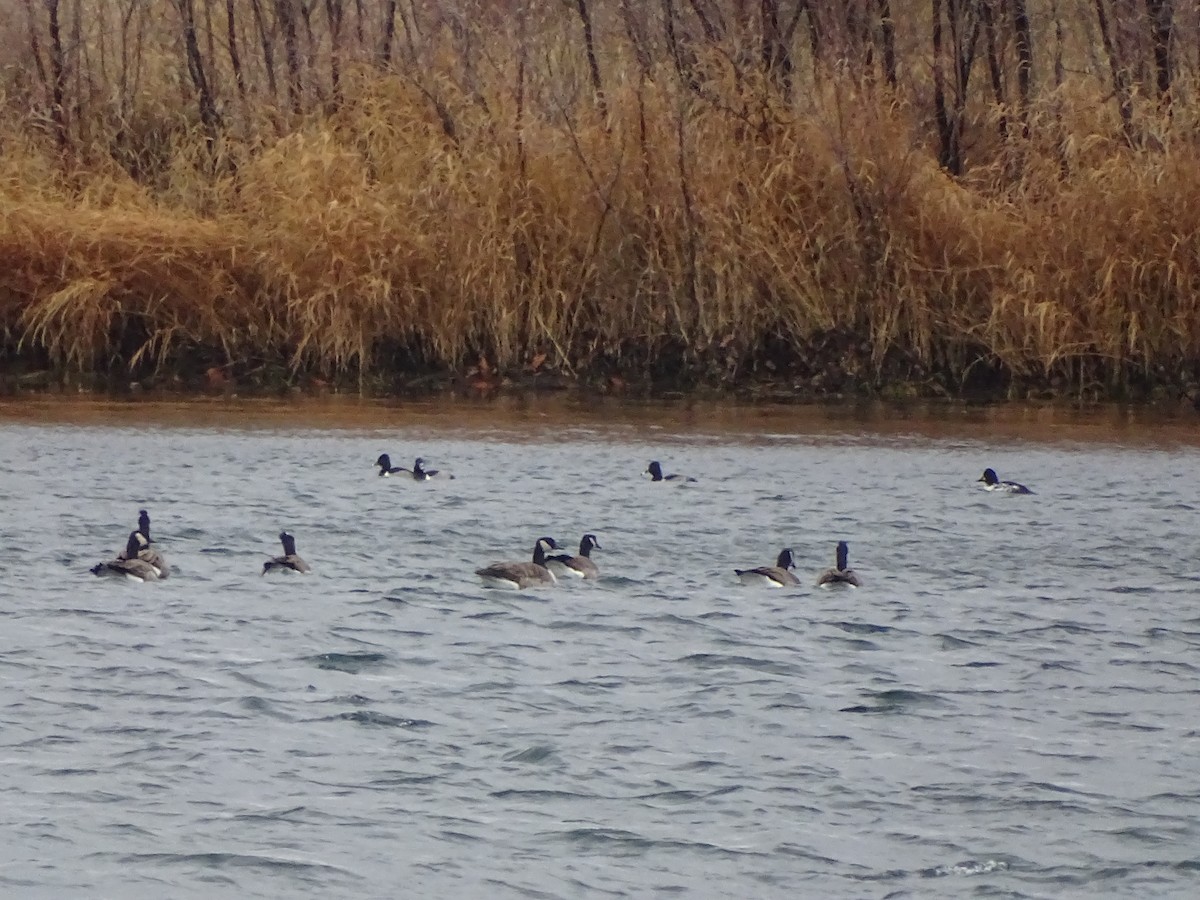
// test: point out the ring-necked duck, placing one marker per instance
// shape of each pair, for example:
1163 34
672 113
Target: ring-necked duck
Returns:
655 471
385 466
992 483
420 473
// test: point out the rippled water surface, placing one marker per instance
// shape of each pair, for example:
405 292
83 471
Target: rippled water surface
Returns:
1006 708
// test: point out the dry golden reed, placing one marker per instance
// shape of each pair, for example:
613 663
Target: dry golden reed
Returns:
423 223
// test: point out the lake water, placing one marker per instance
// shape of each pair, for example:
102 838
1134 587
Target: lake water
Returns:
1006 708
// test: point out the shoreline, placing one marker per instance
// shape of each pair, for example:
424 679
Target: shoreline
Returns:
831 384
571 415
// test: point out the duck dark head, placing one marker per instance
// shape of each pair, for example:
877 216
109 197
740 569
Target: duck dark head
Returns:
843 554
654 470
420 472
989 477
588 544
289 543
385 465
785 560
144 524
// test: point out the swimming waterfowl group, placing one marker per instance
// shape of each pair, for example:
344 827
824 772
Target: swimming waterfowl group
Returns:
148 553
418 472
139 561
128 563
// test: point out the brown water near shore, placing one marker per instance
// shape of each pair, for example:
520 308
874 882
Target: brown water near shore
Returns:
539 417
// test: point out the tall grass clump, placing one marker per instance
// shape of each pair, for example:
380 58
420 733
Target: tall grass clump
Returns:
942 199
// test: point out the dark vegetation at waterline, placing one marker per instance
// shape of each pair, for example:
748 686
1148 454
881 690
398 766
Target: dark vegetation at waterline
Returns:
982 197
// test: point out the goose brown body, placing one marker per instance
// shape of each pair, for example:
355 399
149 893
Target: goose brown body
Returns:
520 575
290 561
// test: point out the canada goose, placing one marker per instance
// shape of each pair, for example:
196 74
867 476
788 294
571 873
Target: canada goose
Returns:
516 575
580 566
385 466
654 470
289 562
992 483
128 564
777 575
843 574
148 553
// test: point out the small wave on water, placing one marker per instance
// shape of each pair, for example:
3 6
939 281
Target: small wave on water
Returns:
898 701
380 720
966 869
351 663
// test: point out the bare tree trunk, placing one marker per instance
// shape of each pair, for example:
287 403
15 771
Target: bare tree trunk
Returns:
214 82
1162 16
389 32
947 149
209 117
310 39
285 13
1122 85
641 52
673 42
713 29
995 67
522 60
1024 60
334 13
887 32
126 80
637 37
1060 74
235 59
816 37
58 81
589 41
268 47
75 53
964 31
35 47
412 28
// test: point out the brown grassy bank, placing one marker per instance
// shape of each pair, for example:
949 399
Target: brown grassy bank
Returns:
481 200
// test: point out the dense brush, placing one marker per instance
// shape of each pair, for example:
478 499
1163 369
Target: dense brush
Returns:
715 229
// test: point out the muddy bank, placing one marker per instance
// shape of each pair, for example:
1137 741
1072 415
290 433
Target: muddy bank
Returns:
832 366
